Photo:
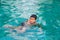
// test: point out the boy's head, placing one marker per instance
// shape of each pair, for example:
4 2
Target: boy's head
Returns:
33 18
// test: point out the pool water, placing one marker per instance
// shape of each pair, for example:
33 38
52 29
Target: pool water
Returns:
14 12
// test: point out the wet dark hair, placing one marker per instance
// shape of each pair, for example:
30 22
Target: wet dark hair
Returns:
34 16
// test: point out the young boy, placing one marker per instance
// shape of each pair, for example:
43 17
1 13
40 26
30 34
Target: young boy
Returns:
29 23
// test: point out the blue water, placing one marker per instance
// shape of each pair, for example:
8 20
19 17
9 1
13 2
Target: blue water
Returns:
14 12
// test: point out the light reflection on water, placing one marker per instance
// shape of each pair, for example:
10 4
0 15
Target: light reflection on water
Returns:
14 12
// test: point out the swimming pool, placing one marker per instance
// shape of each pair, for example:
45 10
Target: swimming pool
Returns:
13 12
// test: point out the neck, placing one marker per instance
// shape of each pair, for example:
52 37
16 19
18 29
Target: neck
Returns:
28 22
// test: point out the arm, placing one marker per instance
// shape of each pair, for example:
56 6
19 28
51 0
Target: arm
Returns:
8 26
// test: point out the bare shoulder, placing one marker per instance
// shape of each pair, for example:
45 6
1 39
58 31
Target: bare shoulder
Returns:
37 24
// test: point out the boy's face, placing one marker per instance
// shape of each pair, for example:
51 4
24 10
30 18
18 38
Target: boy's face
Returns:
32 20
